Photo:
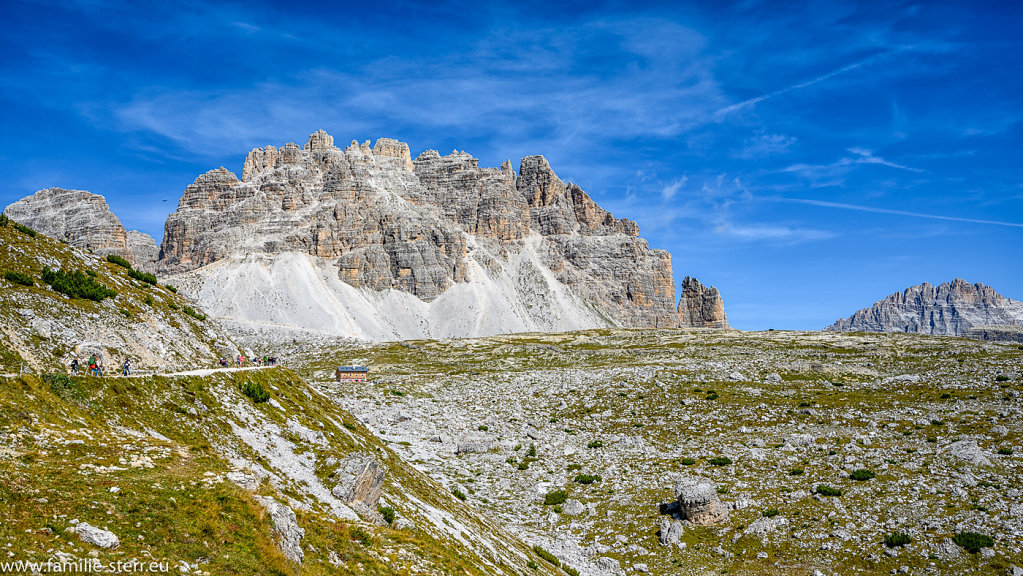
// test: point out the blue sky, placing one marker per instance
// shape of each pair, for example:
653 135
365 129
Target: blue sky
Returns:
806 160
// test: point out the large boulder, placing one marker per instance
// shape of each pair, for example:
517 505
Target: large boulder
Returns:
360 479
698 502
285 526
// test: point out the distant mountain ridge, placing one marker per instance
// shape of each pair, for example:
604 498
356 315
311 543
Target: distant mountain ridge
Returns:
956 308
366 242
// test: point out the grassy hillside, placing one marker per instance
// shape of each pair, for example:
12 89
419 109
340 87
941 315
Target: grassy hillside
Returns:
41 328
155 459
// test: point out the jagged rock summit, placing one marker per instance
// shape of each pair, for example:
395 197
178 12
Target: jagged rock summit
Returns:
83 219
367 242
955 309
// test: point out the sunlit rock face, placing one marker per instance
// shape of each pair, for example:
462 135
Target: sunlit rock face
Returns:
366 233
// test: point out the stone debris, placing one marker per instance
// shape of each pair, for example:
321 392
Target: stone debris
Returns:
95 536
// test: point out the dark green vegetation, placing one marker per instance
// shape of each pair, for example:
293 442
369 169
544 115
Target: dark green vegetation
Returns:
972 542
115 259
862 475
25 230
825 490
255 391
76 284
547 556
19 278
555 497
192 312
142 276
897 539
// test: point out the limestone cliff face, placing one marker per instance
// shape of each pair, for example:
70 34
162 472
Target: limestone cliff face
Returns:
701 307
83 219
956 309
527 246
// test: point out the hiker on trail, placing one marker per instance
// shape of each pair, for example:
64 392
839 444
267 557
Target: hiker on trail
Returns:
99 366
93 368
74 366
126 368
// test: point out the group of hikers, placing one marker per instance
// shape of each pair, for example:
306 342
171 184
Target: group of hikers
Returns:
241 359
95 366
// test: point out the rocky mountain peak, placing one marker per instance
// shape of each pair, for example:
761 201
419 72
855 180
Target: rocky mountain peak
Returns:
83 219
952 308
701 307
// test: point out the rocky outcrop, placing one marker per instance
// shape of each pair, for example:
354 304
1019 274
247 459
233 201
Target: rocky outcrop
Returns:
480 250
955 309
83 219
285 527
701 307
698 502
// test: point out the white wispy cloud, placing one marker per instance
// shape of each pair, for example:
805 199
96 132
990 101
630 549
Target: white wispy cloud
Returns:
672 188
874 209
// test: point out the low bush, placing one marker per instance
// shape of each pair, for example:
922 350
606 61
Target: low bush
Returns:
551 558
896 539
862 474
720 461
191 312
19 278
483 428
171 288
573 467
142 276
972 542
115 259
1005 451
4 220
825 490
387 512
458 494
361 536
255 391
25 229
587 478
76 284
569 570
1001 378
688 461
63 386
595 444
795 472
555 497
771 513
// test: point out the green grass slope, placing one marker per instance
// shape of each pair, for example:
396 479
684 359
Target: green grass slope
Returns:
152 460
41 328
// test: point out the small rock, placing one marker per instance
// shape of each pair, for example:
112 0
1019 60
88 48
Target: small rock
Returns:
95 536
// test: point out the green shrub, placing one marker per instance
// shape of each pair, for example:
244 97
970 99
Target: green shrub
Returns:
825 490
533 565
1005 451
115 259
361 536
24 229
945 396
125 312
588 478
551 558
1001 378
771 513
191 312
172 306
483 428
63 386
524 465
573 467
387 512
688 461
555 497
149 300
972 542
255 391
91 273
862 475
532 451
458 494
569 570
4 220
19 278
171 288
76 284
595 444
720 461
896 539
712 396
142 276
796 472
